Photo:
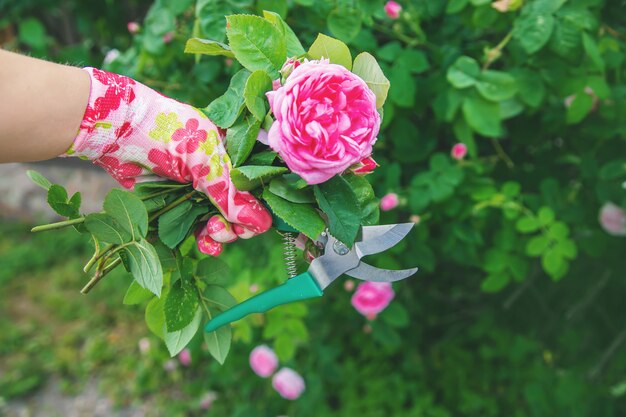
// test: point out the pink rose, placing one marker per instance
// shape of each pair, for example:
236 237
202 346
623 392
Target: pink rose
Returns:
133 27
263 361
393 9
613 219
459 151
389 202
370 298
326 120
288 383
168 37
184 357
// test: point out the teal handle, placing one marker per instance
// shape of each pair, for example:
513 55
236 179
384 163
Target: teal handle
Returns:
298 288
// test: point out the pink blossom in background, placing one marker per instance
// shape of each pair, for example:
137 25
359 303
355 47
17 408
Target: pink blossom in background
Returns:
348 285
263 361
389 202
170 365
184 357
326 120
415 219
253 288
288 383
393 9
370 298
501 5
144 345
133 27
167 38
613 219
207 400
459 151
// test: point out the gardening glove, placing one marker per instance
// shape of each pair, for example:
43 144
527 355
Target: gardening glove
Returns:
134 132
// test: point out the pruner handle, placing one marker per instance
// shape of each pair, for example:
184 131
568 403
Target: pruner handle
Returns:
298 288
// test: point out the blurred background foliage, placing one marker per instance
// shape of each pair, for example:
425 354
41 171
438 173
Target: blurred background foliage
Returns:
518 308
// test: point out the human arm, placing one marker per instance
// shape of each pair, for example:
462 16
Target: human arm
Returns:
41 107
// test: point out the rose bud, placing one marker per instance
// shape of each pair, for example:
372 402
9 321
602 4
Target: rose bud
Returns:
393 9
459 151
613 219
389 202
364 166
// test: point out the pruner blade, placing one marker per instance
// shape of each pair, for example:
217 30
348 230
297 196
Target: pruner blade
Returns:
370 273
376 239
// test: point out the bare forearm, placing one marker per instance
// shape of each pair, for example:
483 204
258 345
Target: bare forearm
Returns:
41 107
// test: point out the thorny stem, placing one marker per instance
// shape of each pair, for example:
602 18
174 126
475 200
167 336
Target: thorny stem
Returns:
58 225
496 52
99 275
97 256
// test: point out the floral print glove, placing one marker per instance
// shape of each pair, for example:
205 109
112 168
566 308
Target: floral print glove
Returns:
133 132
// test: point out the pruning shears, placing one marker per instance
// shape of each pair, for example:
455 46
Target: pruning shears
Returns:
337 259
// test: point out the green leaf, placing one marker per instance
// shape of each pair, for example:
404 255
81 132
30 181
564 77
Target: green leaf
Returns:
496 85
129 211
482 116
527 224
225 110
284 189
241 138
58 200
545 215
567 248
136 294
39 179
592 51
250 177
537 245
333 49
302 217
579 108
285 347
464 72
552 262
207 47
107 229
339 202
455 6
175 224
213 270
144 265
33 33
181 304
566 40
176 341
416 61
257 85
367 68
531 88
533 31
219 297
494 282
403 88
264 158
396 315
155 317
256 43
344 22
218 343
368 203
294 47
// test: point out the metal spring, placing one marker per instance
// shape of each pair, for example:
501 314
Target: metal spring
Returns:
289 254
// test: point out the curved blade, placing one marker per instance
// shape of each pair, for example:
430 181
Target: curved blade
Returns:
370 273
377 239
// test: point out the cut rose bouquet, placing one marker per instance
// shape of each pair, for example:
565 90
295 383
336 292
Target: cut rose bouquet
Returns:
298 128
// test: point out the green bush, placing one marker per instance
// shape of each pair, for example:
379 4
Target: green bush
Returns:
518 305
